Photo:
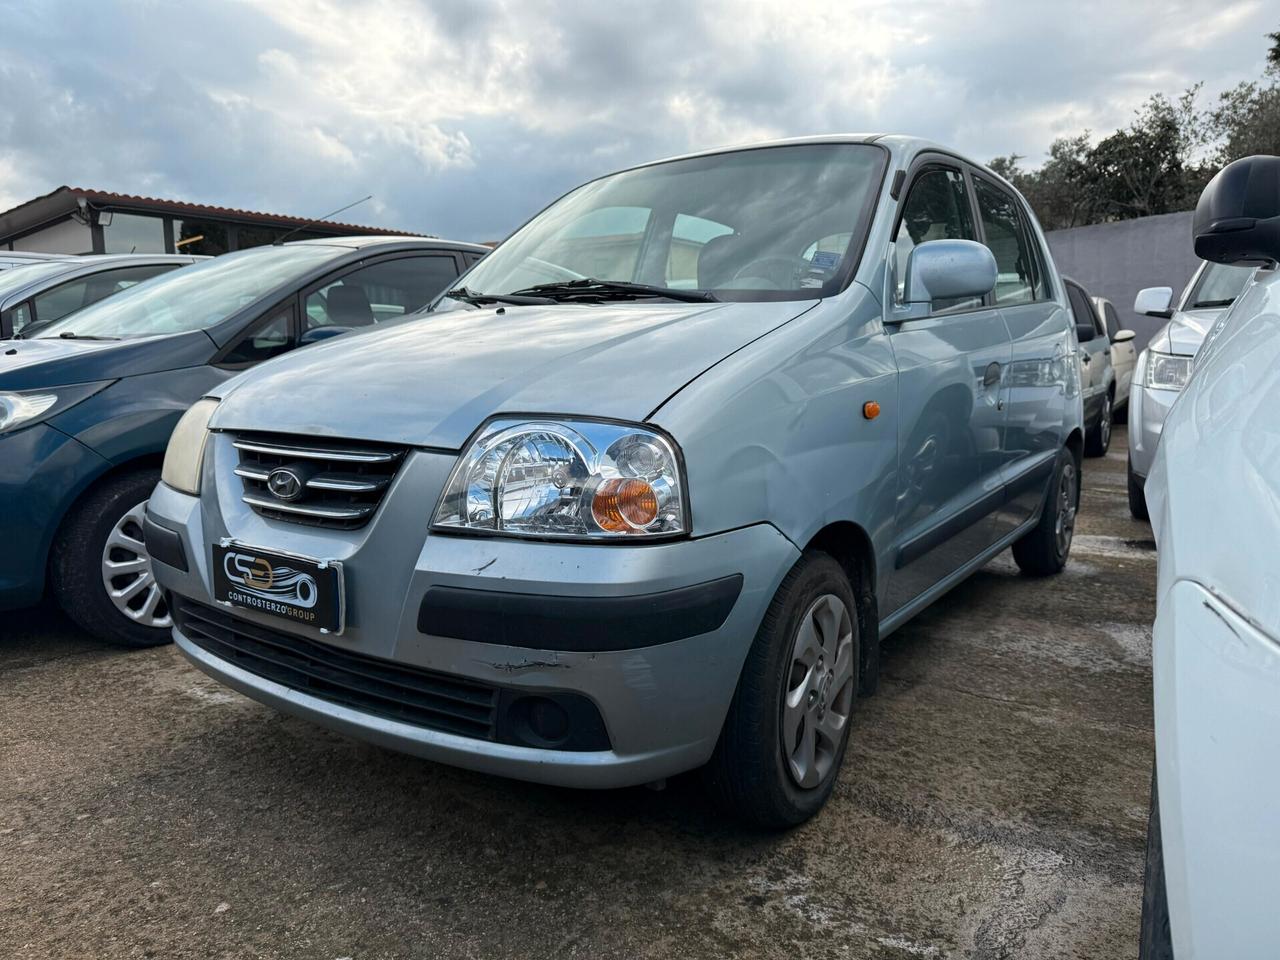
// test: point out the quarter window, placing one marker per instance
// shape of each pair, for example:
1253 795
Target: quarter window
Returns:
381 291
936 208
267 340
15 318
1020 278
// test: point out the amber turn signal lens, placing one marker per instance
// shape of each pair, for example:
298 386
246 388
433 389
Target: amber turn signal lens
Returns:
871 409
621 505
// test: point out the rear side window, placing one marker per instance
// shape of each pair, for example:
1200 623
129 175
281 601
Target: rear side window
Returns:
1020 275
937 208
380 291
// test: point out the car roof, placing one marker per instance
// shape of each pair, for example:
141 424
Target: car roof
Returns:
408 243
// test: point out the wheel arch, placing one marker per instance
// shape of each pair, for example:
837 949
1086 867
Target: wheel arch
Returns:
851 546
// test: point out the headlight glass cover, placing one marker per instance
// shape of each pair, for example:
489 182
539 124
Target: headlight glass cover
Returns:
571 479
22 408
184 457
1166 371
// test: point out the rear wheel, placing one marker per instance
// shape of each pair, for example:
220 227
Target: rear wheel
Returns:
1155 942
1098 439
1045 549
785 736
1137 495
100 568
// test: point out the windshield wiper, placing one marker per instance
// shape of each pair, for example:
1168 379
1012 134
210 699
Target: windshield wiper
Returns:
589 288
1202 304
82 336
478 299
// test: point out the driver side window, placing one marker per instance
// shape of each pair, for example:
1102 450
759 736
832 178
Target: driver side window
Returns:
937 208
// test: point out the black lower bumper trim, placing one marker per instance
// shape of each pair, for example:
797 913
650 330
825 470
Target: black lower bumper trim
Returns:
578 624
164 544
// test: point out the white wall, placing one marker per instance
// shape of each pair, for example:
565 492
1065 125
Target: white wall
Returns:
66 236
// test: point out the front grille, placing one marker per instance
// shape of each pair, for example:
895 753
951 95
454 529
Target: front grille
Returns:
342 481
379 687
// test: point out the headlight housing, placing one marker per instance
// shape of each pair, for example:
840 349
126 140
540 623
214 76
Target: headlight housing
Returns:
1165 371
566 479
22 408
184 457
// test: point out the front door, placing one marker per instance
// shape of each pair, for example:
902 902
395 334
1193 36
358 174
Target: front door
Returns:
951 365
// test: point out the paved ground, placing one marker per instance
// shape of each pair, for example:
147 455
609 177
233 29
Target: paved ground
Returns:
993 805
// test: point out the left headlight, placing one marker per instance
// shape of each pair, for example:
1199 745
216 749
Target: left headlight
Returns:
567 479
1167 371
22 408
184 456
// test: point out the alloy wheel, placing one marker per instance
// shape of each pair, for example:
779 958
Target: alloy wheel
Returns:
1104 425
818 694
127 576
1065 524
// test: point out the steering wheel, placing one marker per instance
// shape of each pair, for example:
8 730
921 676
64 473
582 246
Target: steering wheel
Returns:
770 269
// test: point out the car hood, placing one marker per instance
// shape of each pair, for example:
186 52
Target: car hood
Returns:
1184 333
431 382
33 364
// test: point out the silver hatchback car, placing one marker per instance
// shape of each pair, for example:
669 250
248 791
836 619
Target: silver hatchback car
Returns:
650 487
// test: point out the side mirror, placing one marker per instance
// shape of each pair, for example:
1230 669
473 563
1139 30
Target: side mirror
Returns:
1124 336
1237 218
316 334
1154 302
948 270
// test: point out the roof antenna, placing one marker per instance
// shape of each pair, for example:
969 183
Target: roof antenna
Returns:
307 223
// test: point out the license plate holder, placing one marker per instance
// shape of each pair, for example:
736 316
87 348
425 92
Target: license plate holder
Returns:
299 589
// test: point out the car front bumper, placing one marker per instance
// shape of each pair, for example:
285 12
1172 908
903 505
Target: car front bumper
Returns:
1217 708
42 470
1147 412
661 682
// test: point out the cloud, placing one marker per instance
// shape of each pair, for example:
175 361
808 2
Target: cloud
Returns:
464 119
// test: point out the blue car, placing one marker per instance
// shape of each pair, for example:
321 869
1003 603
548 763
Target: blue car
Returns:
87 405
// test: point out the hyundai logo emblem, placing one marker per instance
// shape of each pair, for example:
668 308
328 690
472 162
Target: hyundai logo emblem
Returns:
284 484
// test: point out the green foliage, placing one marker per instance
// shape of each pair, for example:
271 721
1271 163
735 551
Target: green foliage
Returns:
1159 163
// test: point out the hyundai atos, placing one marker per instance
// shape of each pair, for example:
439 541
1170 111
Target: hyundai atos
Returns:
649 486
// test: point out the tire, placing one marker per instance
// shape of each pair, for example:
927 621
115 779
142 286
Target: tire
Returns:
752 775
1098 438
1137 496
1155 942
1045 549
100 542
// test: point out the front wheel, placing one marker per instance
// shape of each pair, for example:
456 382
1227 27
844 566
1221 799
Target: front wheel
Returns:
1098 439
787 729
1045 549
100 568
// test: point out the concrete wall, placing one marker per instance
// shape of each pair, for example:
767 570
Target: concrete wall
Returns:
1116 260
65 236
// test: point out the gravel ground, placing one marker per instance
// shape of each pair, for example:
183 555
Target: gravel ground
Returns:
993 804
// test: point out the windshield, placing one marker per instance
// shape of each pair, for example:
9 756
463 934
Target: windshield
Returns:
196 297
776 223
25 273
1218 286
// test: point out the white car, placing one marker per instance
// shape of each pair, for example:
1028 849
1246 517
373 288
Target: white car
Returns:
1213 853
1123 352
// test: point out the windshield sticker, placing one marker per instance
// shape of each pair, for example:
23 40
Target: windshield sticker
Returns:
825 259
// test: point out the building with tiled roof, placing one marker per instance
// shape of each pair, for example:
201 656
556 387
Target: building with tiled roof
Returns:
78 220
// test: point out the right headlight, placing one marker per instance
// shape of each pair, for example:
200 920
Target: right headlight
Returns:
1165 371
572 478
185 454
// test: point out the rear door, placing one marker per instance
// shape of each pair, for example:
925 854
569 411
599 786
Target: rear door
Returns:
1095 352
951 365
1035 391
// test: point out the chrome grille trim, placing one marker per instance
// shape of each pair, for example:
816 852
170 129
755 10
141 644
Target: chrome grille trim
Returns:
344 481
317 453
327 513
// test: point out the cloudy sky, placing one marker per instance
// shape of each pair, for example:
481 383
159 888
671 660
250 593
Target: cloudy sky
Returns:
464 117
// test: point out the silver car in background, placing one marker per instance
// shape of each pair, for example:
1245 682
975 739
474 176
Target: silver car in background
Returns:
1124 355
1163 367
645 492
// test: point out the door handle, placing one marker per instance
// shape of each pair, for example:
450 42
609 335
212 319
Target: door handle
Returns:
992 375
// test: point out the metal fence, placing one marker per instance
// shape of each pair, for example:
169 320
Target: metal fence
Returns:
1116 260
